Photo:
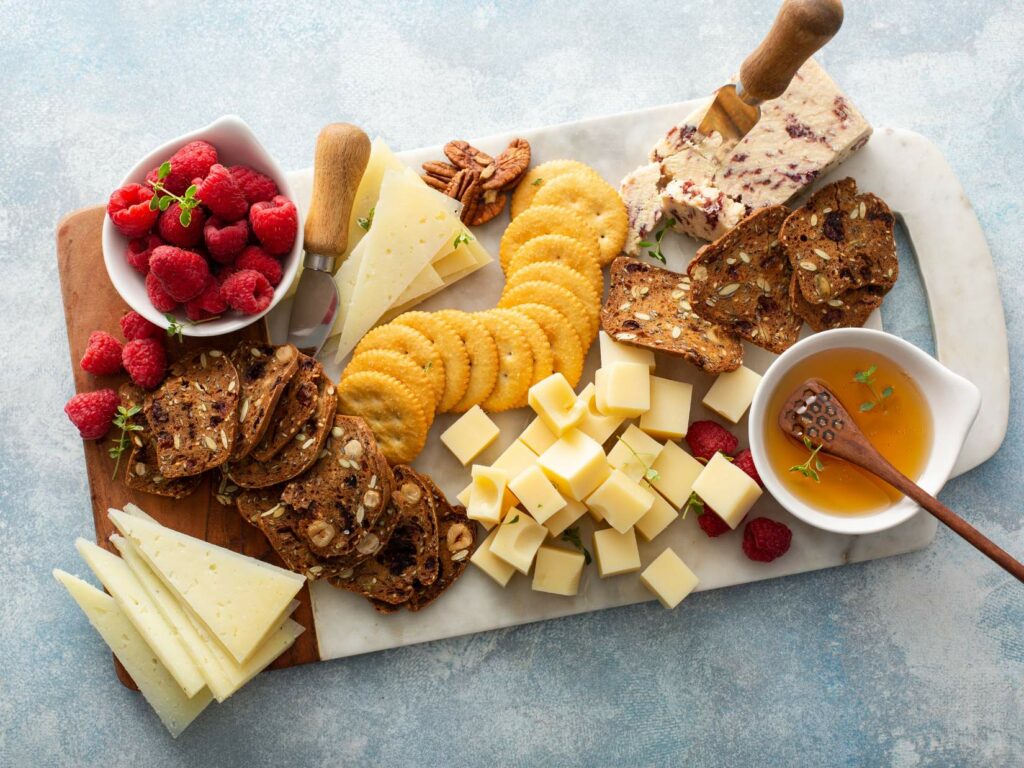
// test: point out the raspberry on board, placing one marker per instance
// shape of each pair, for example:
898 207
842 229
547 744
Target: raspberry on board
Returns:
161 300
256 258
102 354
170 228
139 251
745 461
247 291
764 539
275 224
182 273
146 362
192 161
129 211
135 326
706 438
256 186
93 412
207 304
221 194
224 241
711 523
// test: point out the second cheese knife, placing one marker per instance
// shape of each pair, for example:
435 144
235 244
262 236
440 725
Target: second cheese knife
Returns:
342 151
801 28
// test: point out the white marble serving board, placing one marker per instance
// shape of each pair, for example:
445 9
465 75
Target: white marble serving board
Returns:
902 167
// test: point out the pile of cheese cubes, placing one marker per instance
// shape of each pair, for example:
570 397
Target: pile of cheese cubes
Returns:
557 470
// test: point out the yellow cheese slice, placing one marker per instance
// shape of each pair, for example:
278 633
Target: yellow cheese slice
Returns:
381 160
142 612
158 686
238 599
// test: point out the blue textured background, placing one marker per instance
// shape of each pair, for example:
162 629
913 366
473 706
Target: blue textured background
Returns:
917 660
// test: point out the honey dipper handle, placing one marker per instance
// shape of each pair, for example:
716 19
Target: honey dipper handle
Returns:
949 518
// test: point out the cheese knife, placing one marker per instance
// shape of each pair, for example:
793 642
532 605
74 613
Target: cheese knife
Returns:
342 152
800 29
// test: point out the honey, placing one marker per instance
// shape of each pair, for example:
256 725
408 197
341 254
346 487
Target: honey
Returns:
899 425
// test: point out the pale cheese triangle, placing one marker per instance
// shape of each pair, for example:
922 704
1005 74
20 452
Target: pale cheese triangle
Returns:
142 612
158 687
238 599
381 160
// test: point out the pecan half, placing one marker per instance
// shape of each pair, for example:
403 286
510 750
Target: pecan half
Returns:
491 204
465 187
466 156
510 166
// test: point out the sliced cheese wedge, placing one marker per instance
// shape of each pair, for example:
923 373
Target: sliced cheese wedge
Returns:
238 600
142 612
158 686
381 160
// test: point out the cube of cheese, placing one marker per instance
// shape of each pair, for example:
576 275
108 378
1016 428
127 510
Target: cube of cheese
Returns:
674 472
470 435
594 423
669 579
613 351
727 489
536 493
659 517
623 389
517 540
732 393
486 495
620 501
669 414
555 402
515 458
489 563
537 437
635 453
558 571
565 517
616 553
575 464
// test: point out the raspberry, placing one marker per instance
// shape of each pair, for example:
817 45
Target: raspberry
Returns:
161 300
745 461
256 258
128 208
221 194
145 360
192 161
208 303
765 539
139 251
182 273
225 272
256 186
92 412
706 438
711 523
135 326
102 355
247 291
275 224
225 241
170 228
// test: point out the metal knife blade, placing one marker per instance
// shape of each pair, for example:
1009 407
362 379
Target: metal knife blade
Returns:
314 307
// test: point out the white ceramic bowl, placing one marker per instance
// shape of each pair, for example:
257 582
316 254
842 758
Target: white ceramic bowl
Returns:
952 400
236 144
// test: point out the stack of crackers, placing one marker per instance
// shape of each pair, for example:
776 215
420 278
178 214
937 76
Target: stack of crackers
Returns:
567 224
829 264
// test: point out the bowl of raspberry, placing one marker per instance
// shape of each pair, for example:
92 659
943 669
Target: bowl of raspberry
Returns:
204 232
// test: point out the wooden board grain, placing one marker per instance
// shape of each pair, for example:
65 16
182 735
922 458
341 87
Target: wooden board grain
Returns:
90 304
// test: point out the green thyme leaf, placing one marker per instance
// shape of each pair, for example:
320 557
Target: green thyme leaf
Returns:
164 170
366 222
694 503
462 237
572 536
513 521
537 182
174 327
867 406
887 392
805 468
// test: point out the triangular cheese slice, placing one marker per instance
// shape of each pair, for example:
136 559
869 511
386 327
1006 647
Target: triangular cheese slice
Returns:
158 686
238 599
381 160
141 611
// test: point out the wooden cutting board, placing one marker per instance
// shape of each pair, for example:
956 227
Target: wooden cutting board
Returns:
90 304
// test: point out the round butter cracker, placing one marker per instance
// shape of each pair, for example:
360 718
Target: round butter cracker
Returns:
546 220
564 250
398 365
597 202
567 355
559 274
451 348
515 363
543 360
391 410
584 321
538 176
482 353
416 345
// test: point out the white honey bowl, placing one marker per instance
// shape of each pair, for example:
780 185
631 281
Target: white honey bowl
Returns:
953 404
236 144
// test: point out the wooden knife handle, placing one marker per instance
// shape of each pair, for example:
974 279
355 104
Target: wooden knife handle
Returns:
800 29
342 151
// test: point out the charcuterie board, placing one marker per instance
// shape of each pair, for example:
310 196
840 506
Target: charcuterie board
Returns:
90 302
900 166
